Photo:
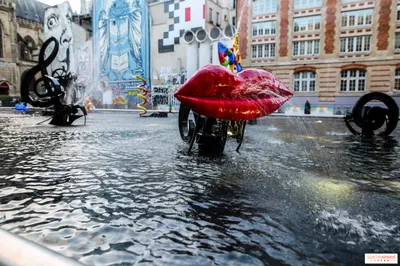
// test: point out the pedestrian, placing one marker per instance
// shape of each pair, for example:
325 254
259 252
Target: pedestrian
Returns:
307 108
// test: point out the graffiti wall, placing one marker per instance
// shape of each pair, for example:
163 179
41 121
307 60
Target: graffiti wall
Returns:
58 24
163 99
84 71
121 46
74 59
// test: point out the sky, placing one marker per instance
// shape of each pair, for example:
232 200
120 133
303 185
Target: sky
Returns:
75 4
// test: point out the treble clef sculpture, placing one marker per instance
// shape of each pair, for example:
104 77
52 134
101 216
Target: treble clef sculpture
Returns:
47 91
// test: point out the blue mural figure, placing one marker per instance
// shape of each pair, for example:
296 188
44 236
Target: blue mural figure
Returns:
120 39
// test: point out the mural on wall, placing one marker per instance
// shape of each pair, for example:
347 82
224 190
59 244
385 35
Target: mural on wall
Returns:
84 71
73 63
185 15
118 96
57 23
322 110
121 47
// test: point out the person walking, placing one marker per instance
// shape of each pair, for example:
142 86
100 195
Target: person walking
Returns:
307 108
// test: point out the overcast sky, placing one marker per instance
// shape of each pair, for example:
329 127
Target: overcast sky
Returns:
75 4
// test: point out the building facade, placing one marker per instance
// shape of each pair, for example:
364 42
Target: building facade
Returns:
21 28
185 34
329 52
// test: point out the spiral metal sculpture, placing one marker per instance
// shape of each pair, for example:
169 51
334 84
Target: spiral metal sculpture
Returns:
142 96
374 113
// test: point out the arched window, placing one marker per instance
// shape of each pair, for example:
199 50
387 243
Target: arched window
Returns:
1 42
397 80
4 89
353 80
24 52
304 81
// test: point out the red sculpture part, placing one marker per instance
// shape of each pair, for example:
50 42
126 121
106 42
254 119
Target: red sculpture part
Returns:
215 91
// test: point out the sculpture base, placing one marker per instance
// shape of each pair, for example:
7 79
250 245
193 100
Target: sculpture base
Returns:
65 115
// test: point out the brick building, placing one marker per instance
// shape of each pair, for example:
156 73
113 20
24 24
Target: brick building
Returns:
329 52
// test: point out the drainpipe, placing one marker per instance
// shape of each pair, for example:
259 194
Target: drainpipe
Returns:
198 56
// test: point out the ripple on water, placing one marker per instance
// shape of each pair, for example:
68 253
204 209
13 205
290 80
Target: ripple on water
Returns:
122 191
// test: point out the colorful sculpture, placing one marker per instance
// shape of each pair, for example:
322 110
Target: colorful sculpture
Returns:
223 99
142 96
216 92
230 57
89 106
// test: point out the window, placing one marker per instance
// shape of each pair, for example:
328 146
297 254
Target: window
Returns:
299 4
307 24
355 44
357 18
264 28
217 20
264 6
1 42
397 80
398 12
234 21
304 81
4 89
24 52
310 47
210 16
234 4
397 44
353 80
263 50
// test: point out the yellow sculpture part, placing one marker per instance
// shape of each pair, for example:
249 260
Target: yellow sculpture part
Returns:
142 96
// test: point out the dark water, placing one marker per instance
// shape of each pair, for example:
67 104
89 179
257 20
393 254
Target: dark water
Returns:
123 191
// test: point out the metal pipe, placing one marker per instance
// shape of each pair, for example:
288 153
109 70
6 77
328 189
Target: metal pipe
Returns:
18 251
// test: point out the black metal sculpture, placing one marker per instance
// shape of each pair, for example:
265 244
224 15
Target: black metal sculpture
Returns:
209 133
47 91
373 119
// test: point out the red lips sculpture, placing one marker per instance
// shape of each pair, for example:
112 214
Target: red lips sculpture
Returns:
216 92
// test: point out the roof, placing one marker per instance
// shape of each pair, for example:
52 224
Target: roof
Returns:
31 10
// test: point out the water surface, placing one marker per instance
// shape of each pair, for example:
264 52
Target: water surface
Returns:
122 191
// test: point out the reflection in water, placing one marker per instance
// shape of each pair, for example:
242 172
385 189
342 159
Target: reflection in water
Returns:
301 192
